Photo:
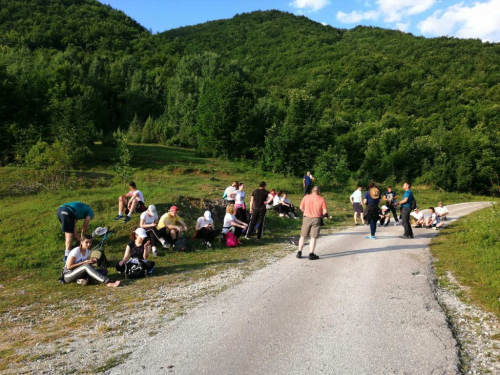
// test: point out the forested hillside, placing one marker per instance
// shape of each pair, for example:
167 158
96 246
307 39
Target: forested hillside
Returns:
367 102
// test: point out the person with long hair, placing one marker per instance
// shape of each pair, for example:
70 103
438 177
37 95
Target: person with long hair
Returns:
239 205
232 224
137 250
371 200
79 266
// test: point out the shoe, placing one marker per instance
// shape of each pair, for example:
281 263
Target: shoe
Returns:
119 217
281 215
313 256
208 245
370 237
81 281
247 238
166 245
113 284
299 254
386 225
405 237
154 251
127 219
238 241
396 223
356 223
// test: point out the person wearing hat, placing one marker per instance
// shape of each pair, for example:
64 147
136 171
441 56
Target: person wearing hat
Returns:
68 214
79 266
258 210
171 225
149 222
137 250
371 200
205 229
385 216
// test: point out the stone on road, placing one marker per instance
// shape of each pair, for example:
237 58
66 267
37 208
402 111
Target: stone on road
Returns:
365 307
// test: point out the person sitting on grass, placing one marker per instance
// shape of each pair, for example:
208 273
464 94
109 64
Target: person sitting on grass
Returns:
277 204
205 229
432 220
171 225
270 199
149 222
79 266
137 250
385 216
442 211
131 201
417 218
288 207
232 224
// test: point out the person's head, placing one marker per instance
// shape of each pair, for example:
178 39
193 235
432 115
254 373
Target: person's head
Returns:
416 210
86 242
272 191
285 195
308 173
230 209
371 184
384 208
389 188
132 186
279 193
138 233
440 204
262 185
207 215
151 210
235 184
406 185
173 211
431 210
360 187
241 187
316 190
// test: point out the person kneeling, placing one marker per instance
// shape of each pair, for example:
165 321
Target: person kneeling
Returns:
205 229
137 250
79 269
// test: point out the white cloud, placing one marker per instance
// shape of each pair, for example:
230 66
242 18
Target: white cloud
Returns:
312 5
324 23
481 20
403 26
355 17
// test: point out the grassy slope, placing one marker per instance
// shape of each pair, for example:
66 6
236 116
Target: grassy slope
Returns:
32 245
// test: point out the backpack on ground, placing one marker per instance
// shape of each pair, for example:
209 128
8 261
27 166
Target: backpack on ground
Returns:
181 244
231 240
135 269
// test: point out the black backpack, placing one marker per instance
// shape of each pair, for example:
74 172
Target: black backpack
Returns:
135 270
181 244
413 203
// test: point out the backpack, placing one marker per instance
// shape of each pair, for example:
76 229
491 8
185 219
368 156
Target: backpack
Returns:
181 244
231 240
413 204
135 269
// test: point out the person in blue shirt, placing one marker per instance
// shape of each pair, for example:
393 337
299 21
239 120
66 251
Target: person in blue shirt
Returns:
371 200
406 210
307 182
68 214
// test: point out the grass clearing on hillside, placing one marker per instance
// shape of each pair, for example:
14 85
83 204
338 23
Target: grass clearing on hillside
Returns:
36 310
470 249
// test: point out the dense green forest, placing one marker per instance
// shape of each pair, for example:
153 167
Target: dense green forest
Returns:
294 94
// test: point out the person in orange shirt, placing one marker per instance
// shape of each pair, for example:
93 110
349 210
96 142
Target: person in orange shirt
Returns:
314 208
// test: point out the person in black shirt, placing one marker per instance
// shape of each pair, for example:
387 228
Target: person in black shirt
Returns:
138 249
391 199
258 210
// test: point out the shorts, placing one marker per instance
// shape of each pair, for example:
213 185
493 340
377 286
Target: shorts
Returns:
357 207
67 219
310 227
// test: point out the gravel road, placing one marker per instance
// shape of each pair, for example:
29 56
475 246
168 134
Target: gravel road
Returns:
365 307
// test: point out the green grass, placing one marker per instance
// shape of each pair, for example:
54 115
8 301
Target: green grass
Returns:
470 249
32 245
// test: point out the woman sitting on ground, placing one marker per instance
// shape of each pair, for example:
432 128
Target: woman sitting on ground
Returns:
79 267
205 229
149 222
232 224
277 206
288 206
137 250
432 220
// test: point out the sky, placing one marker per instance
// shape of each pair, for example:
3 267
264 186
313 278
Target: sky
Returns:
477 19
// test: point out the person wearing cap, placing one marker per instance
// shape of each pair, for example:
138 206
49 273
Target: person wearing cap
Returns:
385 216
171 225
258 210
205 229
68 214
357 206
371 200
149 222
79 266
133 199
137 250
314 208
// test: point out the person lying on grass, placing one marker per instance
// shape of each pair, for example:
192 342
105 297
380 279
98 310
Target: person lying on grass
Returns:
79 266
137 250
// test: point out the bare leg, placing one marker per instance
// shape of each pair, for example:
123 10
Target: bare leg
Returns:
301 243
312 245
173 234
355 218
68 240
362 218
122 203
132 207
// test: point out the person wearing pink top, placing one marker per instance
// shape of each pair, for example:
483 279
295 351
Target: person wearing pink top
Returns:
314 208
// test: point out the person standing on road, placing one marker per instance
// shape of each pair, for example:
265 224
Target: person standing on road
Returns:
391 198
355 199
406 210
258 210
371 200
307 182
68 214
314 208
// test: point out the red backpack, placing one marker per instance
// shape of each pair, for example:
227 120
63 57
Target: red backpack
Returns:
231 240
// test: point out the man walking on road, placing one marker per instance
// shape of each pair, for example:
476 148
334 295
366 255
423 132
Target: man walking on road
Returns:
314 208
258 210
406 210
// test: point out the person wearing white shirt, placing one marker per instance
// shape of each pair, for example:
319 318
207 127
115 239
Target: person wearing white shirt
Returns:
357 206
418 217
442 211
149 222
232 224
239 205
229 193
205 229
433 221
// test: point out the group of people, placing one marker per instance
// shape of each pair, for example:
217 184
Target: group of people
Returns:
434 218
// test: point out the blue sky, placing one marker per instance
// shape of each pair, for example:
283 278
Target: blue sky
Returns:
463 19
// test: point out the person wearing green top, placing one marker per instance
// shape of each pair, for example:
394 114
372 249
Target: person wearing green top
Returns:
68 214
406 210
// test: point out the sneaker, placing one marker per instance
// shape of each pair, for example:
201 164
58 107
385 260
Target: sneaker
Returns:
313 256
208 245
299 254
119 217
356 223
166 245
154 251
238 241
370 237
396 223
127 219
406 237
281 215
386 224
247 238
81 281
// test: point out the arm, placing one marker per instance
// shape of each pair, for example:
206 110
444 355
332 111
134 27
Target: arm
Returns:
403 201
251 204
148 226
238 223
147 250
302 205
70 263
85 225
325 209
304 183
75 233
126 257
365 201
197 226
183 224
